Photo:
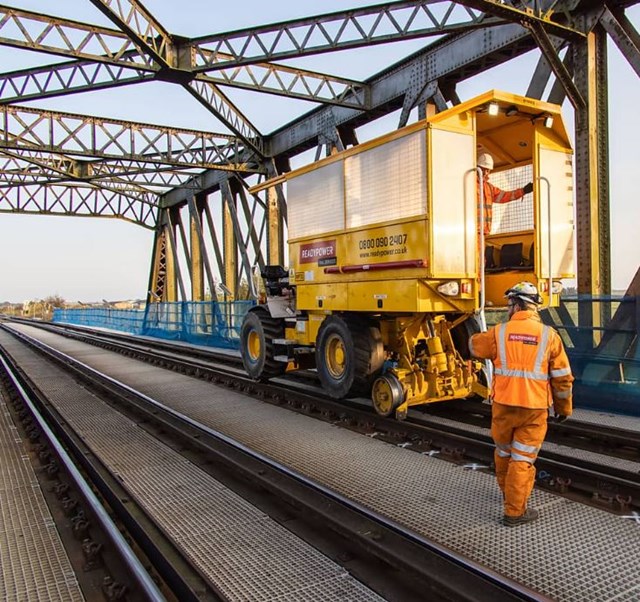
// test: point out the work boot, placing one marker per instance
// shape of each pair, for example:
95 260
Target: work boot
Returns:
528 517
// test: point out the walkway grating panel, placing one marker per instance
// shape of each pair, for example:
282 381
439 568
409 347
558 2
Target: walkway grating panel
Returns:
244 552
457 507
34 565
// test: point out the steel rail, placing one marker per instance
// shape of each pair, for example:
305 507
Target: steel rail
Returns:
595 480
411 552
184 585
131 561
576 431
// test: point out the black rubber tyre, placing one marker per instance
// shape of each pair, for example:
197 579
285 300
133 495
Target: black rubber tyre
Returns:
256 344
349 356
461 335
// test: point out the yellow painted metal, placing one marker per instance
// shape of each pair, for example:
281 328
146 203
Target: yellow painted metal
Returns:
335 356
197 262
313 258
171 278
230 250
387 393
275 243
390 270
428 365
502 129
362 287
254 346
498 284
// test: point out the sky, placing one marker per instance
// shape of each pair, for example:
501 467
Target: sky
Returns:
88 259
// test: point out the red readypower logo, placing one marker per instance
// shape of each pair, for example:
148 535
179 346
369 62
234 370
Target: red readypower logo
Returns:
316 251
527 339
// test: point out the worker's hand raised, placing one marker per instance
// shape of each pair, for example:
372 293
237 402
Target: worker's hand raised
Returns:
528 188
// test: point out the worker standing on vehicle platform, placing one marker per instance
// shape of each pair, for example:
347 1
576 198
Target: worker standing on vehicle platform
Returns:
531 373
492 194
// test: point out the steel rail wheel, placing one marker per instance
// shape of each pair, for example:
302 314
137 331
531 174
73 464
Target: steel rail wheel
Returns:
387 394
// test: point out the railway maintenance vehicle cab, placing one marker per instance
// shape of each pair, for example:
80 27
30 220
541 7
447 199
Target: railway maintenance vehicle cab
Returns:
389 268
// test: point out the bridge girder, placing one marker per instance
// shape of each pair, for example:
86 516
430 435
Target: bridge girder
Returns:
473 35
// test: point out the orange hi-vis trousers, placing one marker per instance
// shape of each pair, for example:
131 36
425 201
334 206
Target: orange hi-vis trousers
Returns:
518 434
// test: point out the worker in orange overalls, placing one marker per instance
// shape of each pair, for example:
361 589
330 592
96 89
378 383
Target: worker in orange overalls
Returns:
531 373
492 194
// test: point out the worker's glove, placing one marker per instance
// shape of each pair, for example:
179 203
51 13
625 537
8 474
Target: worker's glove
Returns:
528 188
560 418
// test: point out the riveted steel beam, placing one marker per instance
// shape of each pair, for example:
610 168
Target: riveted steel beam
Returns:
79 201
548 50
148 34
64 37
592 132
377 24
531 13
624 35
67 78
141 27
82 135
31 166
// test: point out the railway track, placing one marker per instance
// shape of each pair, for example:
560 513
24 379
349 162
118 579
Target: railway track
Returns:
611 441
596 464
398 562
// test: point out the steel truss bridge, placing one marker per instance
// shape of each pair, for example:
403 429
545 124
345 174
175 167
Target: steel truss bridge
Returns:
191 187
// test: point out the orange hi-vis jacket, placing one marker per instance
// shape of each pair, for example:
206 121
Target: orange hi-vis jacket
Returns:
493 194
531 368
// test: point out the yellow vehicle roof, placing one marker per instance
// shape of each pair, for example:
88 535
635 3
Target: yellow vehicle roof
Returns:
507 135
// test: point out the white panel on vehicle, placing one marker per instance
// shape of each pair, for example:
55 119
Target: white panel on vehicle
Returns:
556 192
315 201
453 203
387 182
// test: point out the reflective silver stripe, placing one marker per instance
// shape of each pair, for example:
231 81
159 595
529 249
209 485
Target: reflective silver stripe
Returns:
499 197
529 449
561 372
521 374
502 344
542 350
519 458
562 394
503 450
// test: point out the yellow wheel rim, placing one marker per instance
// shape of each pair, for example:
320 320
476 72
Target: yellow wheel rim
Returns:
382 397
387 394
334 356
254 346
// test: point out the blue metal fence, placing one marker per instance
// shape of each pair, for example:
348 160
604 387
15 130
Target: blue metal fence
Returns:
605 357
202 323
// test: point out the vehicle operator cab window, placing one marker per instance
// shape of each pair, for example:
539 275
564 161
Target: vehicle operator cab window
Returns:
509 243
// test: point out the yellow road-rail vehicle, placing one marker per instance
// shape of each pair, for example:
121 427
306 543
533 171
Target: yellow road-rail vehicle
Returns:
390 270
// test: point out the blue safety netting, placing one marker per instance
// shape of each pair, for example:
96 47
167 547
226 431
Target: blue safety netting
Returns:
210 323
602 338
604 356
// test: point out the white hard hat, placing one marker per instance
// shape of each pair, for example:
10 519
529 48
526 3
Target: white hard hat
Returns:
525 291
485 160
